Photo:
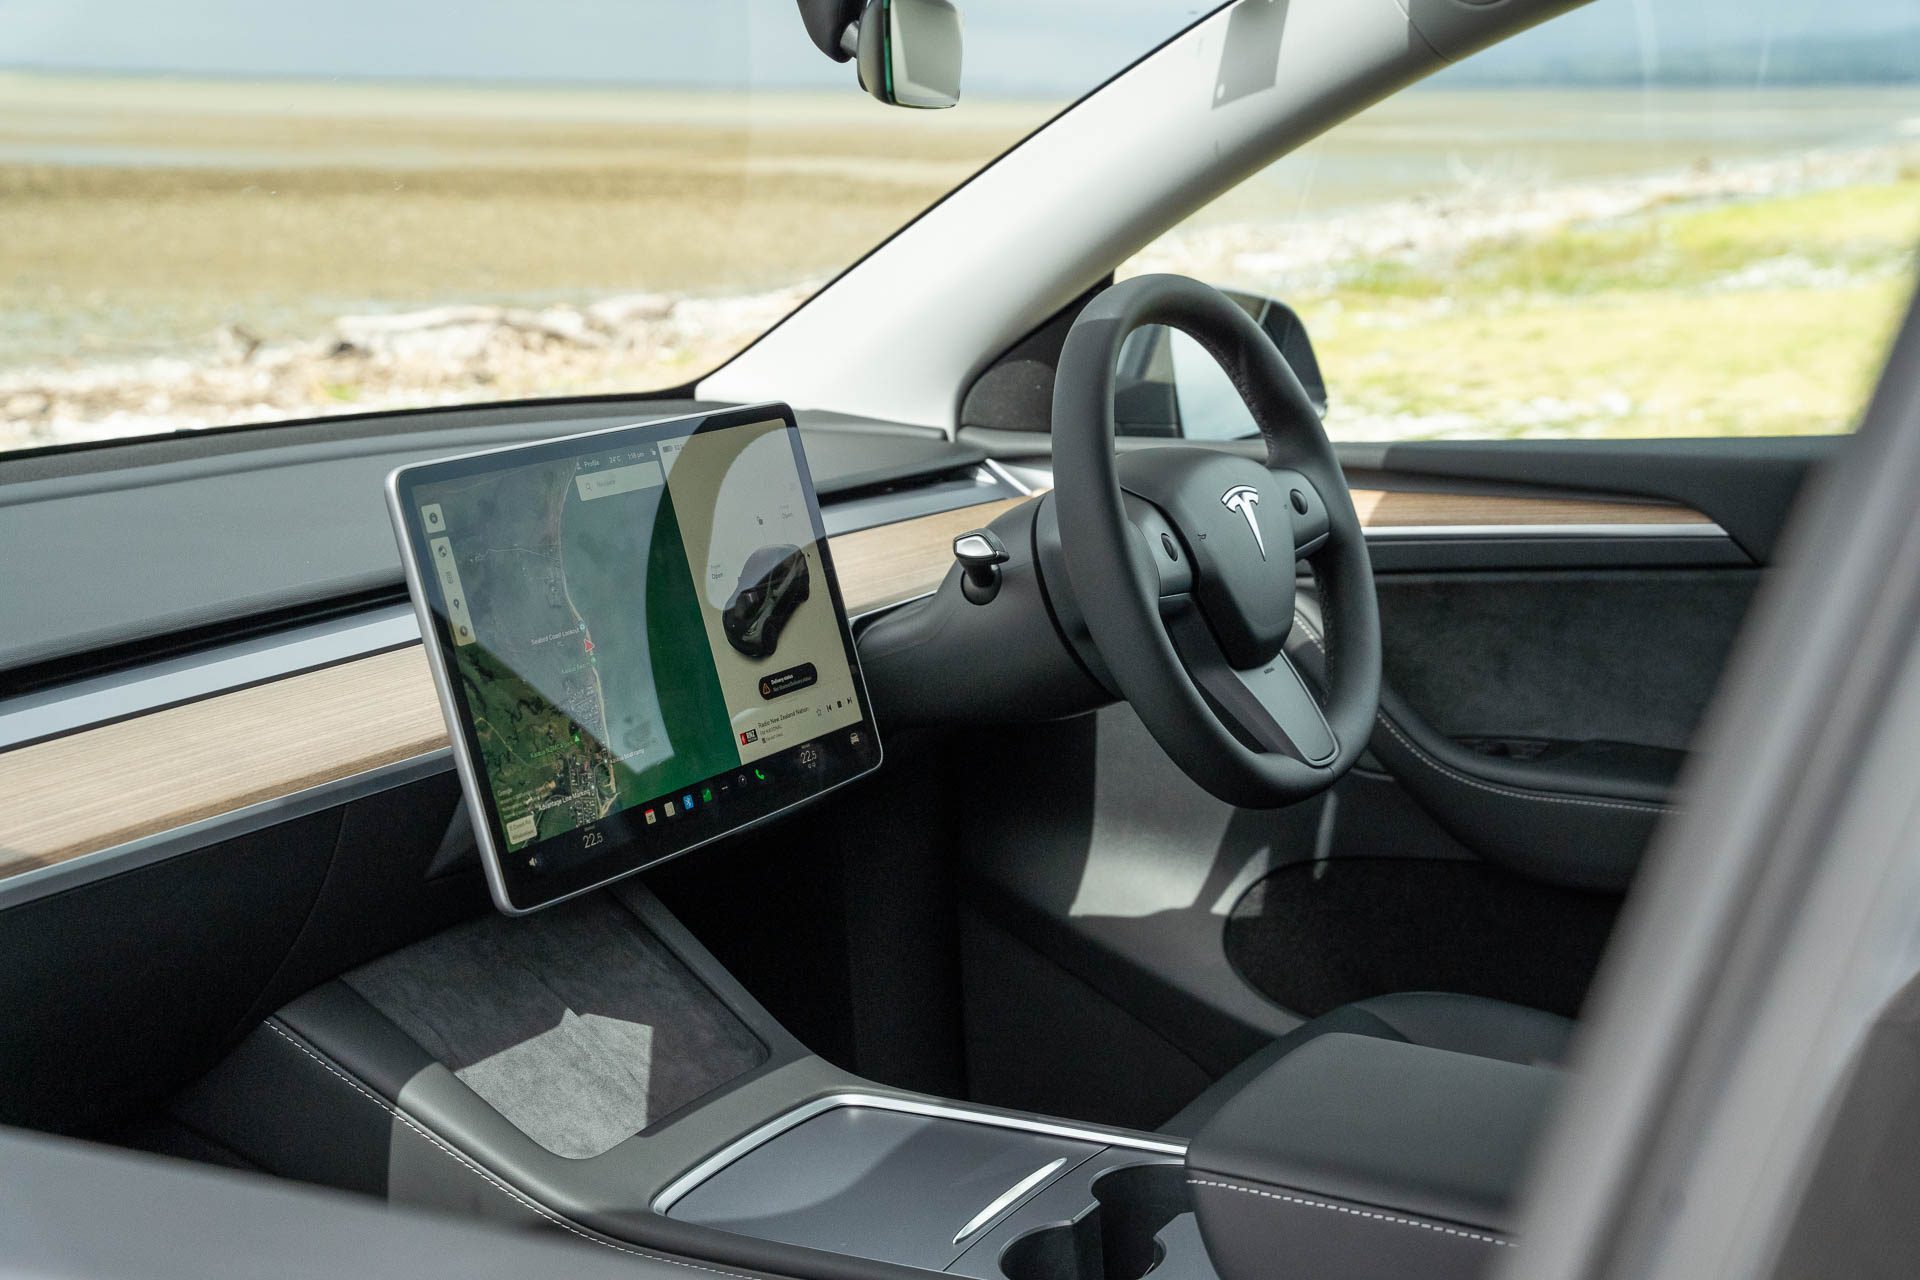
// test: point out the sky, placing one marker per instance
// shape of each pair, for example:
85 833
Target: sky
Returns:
1052 46
1048 47
1654 33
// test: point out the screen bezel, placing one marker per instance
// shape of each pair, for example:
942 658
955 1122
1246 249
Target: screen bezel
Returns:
629 849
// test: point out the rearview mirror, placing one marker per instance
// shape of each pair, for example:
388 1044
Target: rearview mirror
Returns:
909 52
906 51
1168 385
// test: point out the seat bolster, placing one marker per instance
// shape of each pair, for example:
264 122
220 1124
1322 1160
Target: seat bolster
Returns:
1472 1024
1353 1018
1437 1019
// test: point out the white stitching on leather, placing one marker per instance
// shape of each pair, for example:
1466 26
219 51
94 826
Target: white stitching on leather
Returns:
1544 797
464 1161
1307 628
1356 1213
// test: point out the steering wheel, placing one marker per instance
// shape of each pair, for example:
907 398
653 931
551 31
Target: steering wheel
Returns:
1181 559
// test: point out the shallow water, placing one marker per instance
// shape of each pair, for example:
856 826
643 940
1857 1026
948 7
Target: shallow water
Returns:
1429 142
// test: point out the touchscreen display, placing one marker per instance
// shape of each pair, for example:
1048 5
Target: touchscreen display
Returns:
640 642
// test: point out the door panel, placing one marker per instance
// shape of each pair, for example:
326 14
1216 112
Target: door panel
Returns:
1547 715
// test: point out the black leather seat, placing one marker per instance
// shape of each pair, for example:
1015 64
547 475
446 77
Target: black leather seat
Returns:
1462 1024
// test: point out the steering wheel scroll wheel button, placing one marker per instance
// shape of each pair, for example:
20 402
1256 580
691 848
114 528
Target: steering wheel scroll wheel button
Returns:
1162 544
980 554
1306 511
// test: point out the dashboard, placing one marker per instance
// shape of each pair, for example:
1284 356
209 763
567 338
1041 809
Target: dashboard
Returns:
250 657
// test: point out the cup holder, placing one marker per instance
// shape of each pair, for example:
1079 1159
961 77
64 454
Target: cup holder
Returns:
1117 1238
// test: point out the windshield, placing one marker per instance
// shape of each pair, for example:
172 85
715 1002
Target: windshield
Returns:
257 212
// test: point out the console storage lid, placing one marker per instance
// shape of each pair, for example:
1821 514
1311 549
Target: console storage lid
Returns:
875 1182
1357 1156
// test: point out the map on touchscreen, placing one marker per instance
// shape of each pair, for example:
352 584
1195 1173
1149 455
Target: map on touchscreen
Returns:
632 622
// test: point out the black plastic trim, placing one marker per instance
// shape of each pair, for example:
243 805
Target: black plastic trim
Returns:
1469 552
181 549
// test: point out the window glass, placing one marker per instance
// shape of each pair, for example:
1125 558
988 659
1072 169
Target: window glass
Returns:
1692 218
232 211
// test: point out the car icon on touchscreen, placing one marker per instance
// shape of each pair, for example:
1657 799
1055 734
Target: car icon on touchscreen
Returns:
773 583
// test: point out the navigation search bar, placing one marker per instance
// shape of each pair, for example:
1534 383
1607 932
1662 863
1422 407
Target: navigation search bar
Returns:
599 484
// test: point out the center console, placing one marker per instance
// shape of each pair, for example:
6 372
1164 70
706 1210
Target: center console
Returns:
945 1188
593 1068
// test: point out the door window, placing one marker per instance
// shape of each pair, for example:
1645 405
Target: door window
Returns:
1691 219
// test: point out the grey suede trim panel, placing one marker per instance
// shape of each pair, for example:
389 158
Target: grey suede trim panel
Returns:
576 1024
1624 656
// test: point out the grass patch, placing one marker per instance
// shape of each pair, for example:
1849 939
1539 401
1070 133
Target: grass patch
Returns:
1849 229
1768 316
1782 362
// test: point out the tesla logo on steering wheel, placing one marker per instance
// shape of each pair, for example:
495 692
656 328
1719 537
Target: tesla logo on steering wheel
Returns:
1244 498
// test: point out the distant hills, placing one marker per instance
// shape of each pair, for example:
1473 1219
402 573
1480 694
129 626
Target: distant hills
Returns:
1863 58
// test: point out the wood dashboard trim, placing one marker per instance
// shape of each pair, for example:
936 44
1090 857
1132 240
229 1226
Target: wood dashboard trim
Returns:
1402 508
894 562
105 786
